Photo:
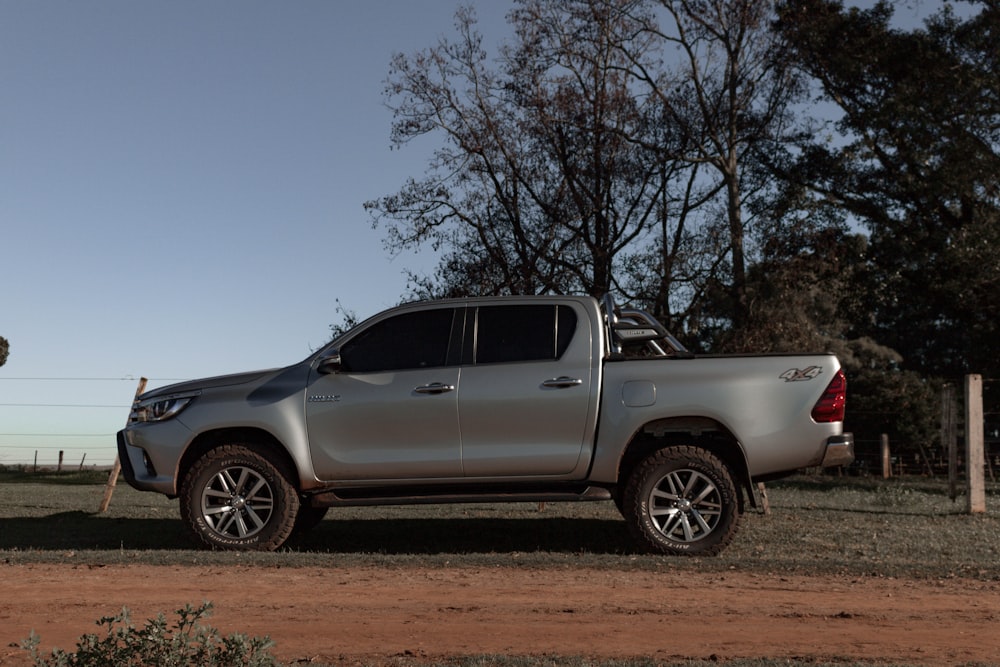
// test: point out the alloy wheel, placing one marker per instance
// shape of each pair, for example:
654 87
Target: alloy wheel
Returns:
237 502
685 505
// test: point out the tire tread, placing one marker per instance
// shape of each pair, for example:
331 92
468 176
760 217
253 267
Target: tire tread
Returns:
286 496
657 464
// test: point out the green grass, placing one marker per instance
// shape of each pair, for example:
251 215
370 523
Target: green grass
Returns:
817 526
24 475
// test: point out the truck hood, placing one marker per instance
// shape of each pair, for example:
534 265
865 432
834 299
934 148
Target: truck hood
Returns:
209 383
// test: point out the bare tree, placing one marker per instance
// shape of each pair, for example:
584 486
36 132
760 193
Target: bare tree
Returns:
728 93
598 153
542 183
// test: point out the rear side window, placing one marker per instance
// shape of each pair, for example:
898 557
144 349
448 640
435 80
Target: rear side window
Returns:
523 333
411 340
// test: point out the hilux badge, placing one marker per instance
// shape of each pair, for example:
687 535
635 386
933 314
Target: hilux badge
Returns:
331 398
796 375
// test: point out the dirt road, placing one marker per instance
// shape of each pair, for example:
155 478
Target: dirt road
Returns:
342 615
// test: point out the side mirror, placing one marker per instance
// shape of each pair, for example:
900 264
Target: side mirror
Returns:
330 364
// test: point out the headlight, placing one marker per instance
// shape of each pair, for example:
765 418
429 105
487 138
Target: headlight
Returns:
160 408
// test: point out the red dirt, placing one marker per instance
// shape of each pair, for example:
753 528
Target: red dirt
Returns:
371 614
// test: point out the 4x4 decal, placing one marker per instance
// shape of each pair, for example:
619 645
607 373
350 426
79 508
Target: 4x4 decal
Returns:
796 375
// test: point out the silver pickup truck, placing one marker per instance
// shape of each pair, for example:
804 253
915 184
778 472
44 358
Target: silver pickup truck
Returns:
542 398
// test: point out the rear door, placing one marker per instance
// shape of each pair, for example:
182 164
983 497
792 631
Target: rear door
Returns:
525 399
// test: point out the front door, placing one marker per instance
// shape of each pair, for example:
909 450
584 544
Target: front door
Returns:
391 412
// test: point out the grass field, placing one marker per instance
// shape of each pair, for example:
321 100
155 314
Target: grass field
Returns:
902 527
818 525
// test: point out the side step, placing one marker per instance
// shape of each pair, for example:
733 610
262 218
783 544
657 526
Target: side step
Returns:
410 495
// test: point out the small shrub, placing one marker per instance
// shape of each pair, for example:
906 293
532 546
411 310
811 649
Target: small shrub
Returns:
187 642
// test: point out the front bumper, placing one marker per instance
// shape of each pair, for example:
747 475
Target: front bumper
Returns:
839 450
128 469
138 470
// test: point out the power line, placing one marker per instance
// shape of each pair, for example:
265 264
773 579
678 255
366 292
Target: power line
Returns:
122 379
60 405
56 435
76 449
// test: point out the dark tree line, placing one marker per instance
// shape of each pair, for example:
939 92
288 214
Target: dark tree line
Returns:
762 176
915 159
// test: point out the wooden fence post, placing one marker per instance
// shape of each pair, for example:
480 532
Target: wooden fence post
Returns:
949 436
764 502
109 488
974 450
886 459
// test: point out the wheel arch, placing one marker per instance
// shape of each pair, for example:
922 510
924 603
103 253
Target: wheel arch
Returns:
703 432
259 439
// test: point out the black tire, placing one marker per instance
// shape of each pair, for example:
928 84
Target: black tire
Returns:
235 498
681 501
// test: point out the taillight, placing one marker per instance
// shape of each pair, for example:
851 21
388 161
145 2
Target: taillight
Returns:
830 406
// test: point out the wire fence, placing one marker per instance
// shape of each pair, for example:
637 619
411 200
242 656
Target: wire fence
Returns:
63 422
931 457
906 459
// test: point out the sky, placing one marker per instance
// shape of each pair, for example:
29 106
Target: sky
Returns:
181 194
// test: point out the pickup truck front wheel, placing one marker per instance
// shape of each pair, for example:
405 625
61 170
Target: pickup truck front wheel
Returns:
681 501
235 498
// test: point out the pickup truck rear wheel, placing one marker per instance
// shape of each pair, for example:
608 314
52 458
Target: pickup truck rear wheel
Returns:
235 498
681 501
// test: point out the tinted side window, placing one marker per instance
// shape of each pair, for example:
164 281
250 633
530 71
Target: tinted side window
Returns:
523 333
411 340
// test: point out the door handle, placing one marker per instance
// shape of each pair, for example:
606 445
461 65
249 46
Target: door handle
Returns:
434 388
562 382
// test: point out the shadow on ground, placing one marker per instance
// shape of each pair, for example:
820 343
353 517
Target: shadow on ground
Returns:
86 531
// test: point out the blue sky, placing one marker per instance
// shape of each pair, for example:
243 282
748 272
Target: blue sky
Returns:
181 191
